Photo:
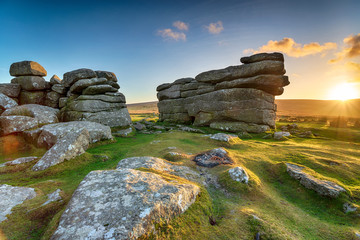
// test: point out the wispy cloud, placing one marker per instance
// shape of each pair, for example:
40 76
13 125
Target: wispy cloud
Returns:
181 25
215 28
293 49
169 34
351 50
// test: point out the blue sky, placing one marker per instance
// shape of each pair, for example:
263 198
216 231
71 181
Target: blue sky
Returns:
140 43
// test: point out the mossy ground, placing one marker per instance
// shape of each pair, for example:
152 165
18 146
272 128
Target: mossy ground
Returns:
274 205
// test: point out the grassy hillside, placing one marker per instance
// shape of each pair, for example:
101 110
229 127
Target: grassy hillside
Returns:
274 205
290 107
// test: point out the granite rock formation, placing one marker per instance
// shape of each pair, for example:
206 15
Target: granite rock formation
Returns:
236 98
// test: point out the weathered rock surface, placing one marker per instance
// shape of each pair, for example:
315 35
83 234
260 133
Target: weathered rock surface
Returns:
122 204
16 124
322 187
6 102
11 196
71 77
239 174
242 71
47 135
59 88
160 165
98 89
213 158
71 145
10 89
53 197
31 83
263 56
27 68
349 208
19 161
80 85
43 114
93 105
34 97
223 137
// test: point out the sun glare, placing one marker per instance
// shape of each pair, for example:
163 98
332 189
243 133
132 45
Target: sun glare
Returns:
344 91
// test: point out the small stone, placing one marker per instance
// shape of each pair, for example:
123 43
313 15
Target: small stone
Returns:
281 135
213 158
20 161
239 174
223 137
53 197
55 80
349 207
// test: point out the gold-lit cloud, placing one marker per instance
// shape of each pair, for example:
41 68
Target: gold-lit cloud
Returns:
215 28
169 34
293 49
351 50
181 25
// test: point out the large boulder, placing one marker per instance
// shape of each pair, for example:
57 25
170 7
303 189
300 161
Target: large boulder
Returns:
47 135
59 88
159 165
33 97
71 145
94 105
55 80
27 68
118 98
169 93
6 102
31 83
11 196
108 75
16 124
71 77
10 89
322 187
272 84
80 85
122 204
98 89
43 114
276 56
52 99
242 71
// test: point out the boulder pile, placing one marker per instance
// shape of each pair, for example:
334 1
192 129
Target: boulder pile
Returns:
93 96
236 98
82 95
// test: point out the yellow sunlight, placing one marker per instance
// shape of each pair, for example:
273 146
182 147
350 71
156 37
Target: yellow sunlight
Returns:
343 91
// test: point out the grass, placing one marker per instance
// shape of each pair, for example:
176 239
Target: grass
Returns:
273 204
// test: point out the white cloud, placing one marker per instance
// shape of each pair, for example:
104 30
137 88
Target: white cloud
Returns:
215 28
169 34
181 25
293 49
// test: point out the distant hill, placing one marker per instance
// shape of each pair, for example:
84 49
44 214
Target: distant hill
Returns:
286 107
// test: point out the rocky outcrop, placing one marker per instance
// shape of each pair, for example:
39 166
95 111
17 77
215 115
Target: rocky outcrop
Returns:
73 144
6 103
237 98
11 196
10 89
93 96
122 204
27 68
322 187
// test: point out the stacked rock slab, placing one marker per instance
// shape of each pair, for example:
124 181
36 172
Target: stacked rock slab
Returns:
93 96
236 98
29 77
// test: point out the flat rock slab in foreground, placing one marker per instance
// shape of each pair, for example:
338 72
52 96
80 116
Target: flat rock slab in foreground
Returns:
71 145
11 196
122 204
322 187
213 158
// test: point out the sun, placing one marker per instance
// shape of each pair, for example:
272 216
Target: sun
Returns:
343 91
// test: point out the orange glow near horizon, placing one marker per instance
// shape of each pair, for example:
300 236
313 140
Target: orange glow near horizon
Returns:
343 91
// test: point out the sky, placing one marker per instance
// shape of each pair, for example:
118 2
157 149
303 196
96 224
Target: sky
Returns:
147 43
